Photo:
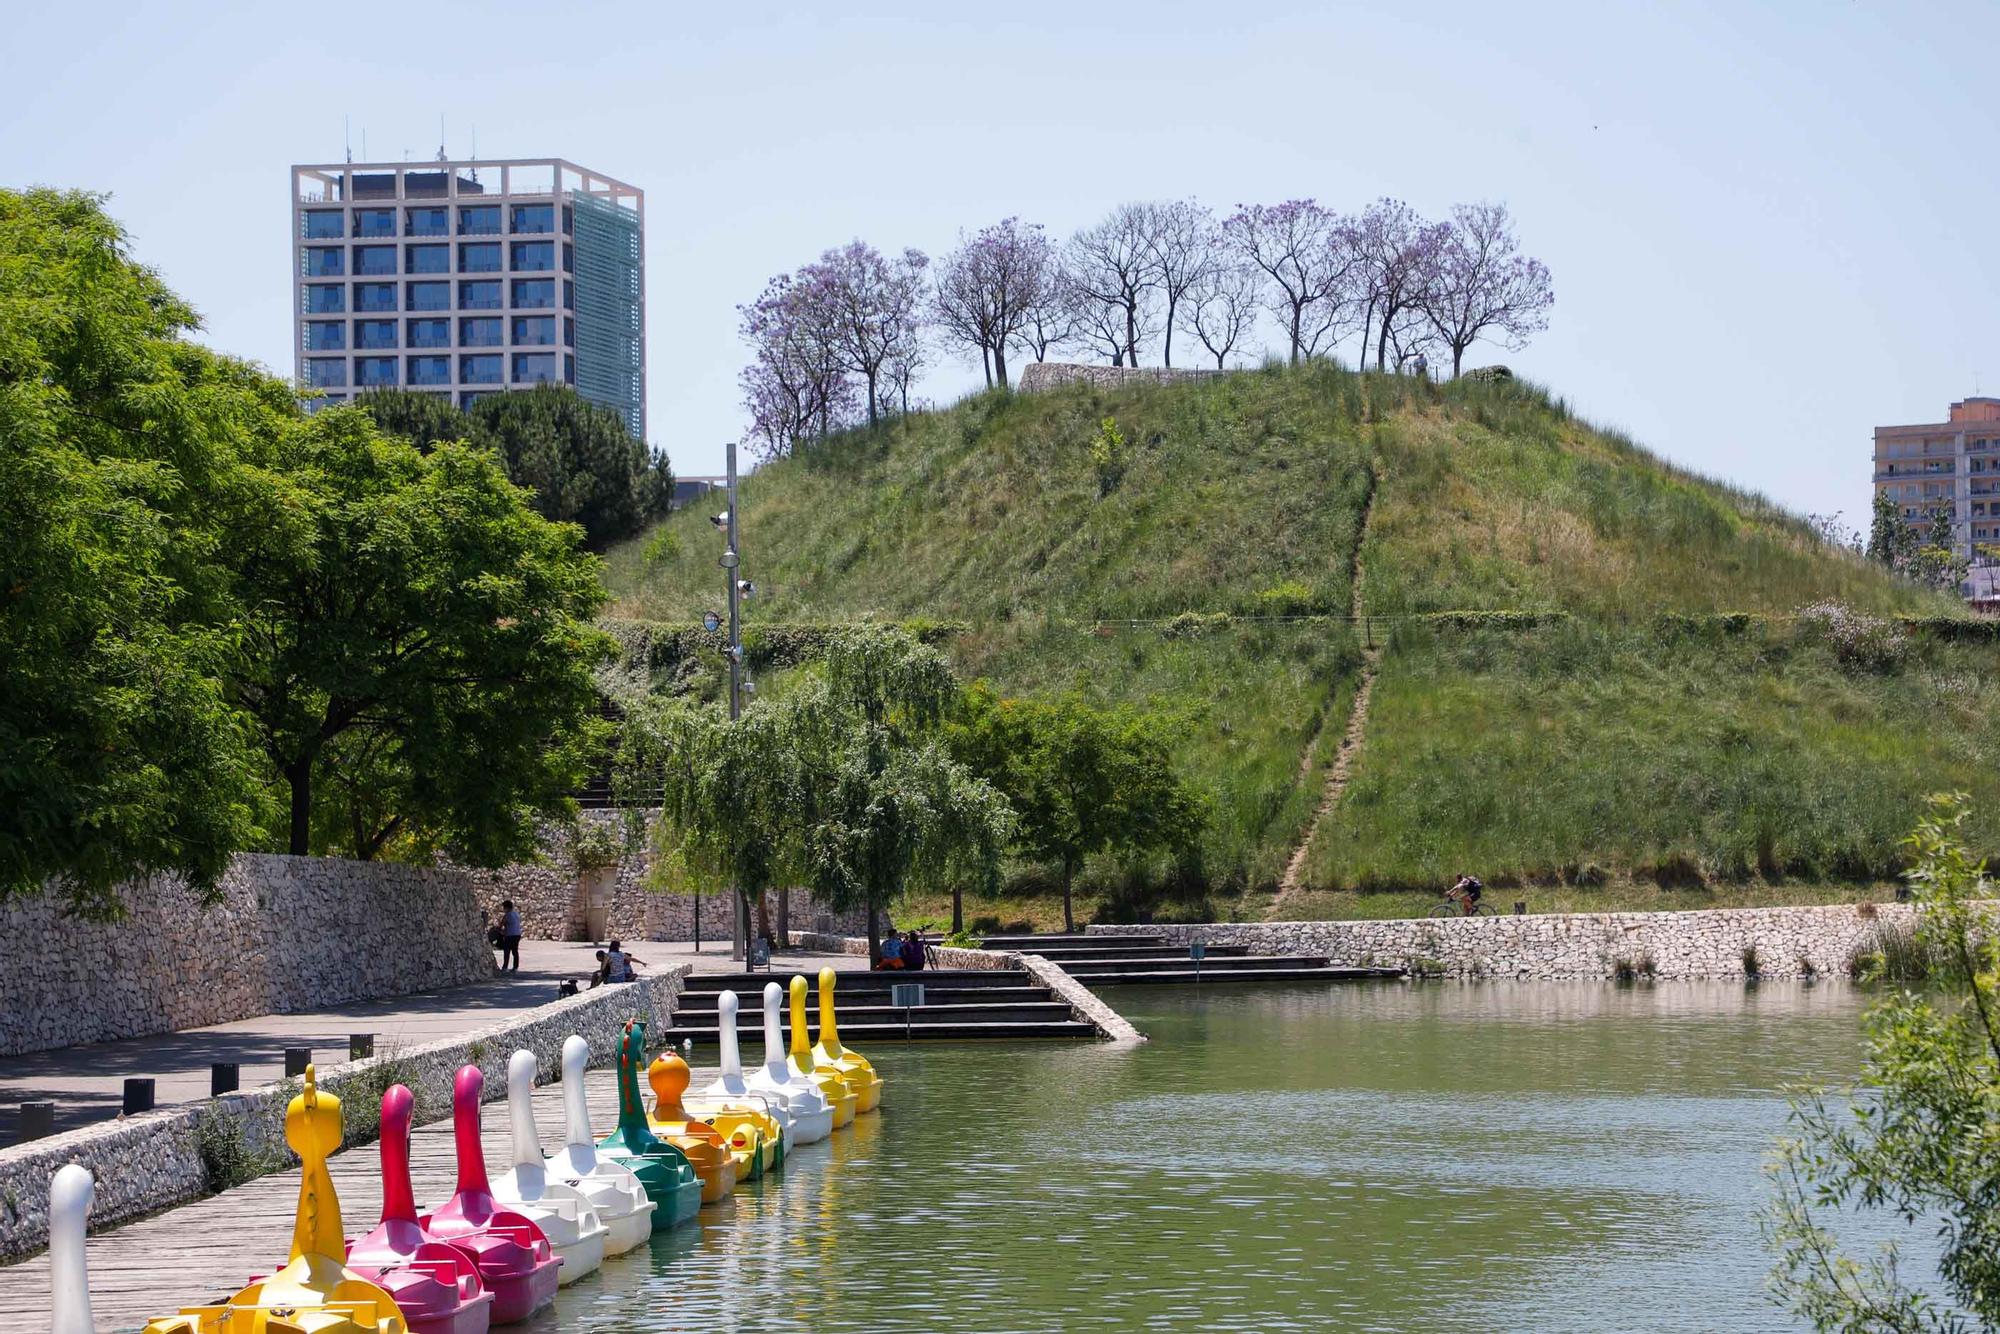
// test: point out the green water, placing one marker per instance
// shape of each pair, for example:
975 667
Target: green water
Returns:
1400 1157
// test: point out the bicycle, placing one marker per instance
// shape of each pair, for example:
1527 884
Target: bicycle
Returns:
1456 905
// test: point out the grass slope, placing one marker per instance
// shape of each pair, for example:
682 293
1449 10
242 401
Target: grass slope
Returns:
1596 755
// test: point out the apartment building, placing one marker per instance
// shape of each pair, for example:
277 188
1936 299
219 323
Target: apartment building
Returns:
1953 465
463 279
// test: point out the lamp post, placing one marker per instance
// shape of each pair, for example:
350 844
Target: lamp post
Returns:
740 913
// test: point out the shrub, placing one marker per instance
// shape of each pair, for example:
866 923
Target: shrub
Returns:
1194 624
1110 455
227 1160
1856 639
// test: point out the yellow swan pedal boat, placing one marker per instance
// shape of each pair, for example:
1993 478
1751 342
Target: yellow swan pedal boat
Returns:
314 1293
828 1052
838 1087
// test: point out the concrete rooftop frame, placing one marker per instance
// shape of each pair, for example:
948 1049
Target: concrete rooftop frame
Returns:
565 177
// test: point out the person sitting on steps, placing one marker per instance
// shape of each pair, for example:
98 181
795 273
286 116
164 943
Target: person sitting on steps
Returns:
892 952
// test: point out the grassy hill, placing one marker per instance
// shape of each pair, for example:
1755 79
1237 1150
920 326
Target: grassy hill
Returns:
1588 749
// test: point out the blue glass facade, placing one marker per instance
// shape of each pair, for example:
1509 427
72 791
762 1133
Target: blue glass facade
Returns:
534 294
374 333
479 331
533 218
430 370
479 220
534 367
481 295
326 336
534 256
427 259
430 296
323 224
480 368
428 220
374 222
534 330
326 372
607 297
429 333
374 371
479 257
374 260
326 298
325 261
374 296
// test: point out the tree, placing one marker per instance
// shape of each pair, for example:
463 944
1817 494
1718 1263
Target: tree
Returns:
1916 1138
1081 780
1221 308
577 458
124 453
1397 259
1480 286
1307 254
409 622
1891 541
992 287
425 420
1186 247
796 386
1936 562
873 307
1052 322
1115 269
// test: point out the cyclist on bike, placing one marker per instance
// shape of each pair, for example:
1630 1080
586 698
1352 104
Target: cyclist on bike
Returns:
1467 892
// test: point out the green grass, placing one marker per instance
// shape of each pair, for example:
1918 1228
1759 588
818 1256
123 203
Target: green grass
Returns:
1596 761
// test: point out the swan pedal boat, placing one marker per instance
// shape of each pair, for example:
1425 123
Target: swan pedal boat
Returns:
867 1085
668 1176
612 1188
812 1115
730 1104
565 1217
716 1159
836 1086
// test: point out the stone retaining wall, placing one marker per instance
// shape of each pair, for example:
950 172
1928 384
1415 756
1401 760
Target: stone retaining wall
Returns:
1788 942
156 1160
289 934
548 895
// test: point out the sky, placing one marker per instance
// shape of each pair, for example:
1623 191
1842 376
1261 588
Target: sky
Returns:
1770 225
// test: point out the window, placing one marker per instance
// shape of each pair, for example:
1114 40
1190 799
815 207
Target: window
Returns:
479 220
479 257
481 295
479 331
374 333
534 367
374 370
428 333
374 259
430 296
325 261
569 220
569 368
469 397
326 336
427 221
313 405
322 224
534 255
326 372
534 330
569 331
533 218
569 258
534 293
326 298
427 259
430 370
374 296
569 295
480 368
374 222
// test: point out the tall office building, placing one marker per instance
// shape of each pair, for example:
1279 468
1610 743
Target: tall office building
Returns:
462 279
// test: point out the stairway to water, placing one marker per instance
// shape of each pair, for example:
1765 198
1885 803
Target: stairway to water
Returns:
1128 959
958 1004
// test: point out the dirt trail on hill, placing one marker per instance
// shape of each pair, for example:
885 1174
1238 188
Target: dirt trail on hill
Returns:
1290 884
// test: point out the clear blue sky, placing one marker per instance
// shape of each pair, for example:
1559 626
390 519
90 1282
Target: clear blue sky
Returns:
1771 226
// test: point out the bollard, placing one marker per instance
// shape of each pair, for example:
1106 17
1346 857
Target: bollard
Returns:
360 1046
1520 907
223 1077
138 1097
38 1120
296 1061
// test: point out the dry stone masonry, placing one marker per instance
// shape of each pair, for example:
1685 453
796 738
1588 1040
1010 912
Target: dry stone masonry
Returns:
1784 942
1041 375
289 934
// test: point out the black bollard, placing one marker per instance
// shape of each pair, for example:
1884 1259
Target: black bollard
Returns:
138 1096
360 1046
223 1077
296 1061
38 1119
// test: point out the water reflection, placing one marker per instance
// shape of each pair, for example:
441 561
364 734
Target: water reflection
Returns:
1450 1156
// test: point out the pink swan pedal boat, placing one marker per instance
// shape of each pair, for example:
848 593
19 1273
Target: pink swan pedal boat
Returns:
515 1261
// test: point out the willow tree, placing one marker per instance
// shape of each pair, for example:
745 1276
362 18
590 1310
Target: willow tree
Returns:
844 785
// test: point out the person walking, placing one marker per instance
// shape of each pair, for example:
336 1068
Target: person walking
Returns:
510 937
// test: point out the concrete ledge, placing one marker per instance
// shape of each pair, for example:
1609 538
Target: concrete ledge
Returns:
147 1163
1703 943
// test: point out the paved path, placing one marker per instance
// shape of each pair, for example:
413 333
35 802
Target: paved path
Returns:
206 1250
87 1083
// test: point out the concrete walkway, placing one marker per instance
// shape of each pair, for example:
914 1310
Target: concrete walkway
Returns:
87 1083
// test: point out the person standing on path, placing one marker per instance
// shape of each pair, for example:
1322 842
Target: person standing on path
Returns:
510 936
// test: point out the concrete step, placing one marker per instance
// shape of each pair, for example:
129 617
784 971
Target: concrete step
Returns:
1064 954
703 1002
1233 976
856 982
860 1035
1227 963
1035 943
1040 1006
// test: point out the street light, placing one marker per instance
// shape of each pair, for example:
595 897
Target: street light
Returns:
729 560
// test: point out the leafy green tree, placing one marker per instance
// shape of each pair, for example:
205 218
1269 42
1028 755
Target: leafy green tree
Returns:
1936 562
1890 539
418 638
1080 780
582 464
1918 1138
122 454
425 420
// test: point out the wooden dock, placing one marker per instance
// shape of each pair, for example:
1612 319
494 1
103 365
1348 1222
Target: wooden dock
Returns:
207 1250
